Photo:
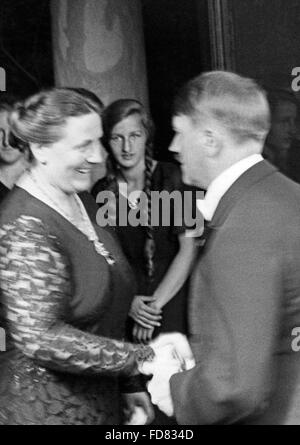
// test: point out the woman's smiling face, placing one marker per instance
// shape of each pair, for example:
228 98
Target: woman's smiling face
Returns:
68 163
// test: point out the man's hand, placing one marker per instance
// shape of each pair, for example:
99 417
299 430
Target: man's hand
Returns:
179 345
144 313
172 355
138 409
165 364
159 386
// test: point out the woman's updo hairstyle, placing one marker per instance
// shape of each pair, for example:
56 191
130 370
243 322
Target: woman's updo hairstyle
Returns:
40 119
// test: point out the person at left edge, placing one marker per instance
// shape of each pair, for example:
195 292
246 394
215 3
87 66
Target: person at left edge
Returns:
66 288
13 161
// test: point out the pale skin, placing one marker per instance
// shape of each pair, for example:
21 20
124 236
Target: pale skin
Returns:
176 276
9 174
129 152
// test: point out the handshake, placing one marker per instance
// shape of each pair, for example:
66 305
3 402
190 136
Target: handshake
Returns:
173 354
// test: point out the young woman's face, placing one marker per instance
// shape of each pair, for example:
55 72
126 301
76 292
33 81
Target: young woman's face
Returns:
128 142
68 163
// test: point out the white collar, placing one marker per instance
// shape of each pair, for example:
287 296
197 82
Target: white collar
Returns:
219 186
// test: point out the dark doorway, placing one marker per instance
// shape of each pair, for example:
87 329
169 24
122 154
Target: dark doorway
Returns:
177 49
26 45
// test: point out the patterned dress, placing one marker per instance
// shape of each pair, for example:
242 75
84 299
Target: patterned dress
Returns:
64 310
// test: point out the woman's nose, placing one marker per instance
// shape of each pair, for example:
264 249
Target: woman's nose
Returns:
4 140
126 146
174 147
96 154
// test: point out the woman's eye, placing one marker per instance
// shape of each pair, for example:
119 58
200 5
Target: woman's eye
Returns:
115 139
135 135
83 147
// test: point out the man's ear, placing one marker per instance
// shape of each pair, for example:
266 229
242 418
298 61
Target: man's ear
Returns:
211 143
40 153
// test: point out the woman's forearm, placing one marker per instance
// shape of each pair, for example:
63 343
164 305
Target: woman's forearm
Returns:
177 273
38 315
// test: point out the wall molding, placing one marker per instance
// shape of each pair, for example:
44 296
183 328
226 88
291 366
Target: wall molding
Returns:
222 34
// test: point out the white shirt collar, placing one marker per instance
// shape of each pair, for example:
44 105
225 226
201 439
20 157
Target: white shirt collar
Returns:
222 183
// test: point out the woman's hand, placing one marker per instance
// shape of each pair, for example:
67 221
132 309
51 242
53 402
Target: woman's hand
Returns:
138 408
144 312
142 335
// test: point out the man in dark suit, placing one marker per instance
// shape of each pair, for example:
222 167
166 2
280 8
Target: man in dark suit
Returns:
245 293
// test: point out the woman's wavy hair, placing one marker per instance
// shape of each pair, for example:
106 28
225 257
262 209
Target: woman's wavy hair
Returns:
112 115
40 119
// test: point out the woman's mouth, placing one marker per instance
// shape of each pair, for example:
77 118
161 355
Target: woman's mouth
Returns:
127 157
84 171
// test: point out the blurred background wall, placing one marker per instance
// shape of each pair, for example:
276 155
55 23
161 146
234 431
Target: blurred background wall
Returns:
146 48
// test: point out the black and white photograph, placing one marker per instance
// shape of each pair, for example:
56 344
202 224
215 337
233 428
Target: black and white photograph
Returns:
150 215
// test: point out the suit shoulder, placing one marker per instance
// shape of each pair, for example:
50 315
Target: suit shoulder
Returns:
272 206
279 188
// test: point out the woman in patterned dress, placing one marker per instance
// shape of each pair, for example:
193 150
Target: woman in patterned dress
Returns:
66 287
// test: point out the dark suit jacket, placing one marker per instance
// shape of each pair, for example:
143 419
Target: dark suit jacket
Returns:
244 304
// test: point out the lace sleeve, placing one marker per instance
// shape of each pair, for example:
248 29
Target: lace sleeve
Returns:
36 284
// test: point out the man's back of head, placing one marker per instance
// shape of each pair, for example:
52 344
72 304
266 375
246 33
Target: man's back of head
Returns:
229 116
236 102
